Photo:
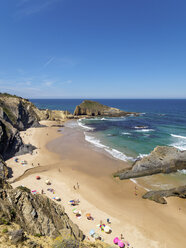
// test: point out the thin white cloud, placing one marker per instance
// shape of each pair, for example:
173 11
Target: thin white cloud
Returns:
67 82
29 7
49 61
48 83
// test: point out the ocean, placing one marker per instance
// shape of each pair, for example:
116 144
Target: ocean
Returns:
161 122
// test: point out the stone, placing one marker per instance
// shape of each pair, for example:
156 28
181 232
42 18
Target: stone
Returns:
16 236
158 196
163 159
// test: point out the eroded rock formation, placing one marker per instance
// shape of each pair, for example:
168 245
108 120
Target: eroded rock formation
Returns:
91 108
162 159
36 214
159 196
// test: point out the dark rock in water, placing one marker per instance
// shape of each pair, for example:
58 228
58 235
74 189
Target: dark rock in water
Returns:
162 159
16 236
37 214
91 108
158 196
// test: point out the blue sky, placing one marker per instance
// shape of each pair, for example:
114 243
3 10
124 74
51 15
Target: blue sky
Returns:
93 48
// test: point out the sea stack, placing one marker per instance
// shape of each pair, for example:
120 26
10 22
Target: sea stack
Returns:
92 108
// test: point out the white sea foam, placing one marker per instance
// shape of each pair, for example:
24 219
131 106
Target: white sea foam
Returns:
119 155
142 155
115 153
125 133
182 171
71 124
140 127
94 141
84 126
145 130
134 181
178 136
180 142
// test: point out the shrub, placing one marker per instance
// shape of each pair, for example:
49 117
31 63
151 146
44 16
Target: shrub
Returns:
38 235
25 189
5 230
65 243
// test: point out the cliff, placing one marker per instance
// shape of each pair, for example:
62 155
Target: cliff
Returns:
54 115
91 108
16 114
36 214
162 159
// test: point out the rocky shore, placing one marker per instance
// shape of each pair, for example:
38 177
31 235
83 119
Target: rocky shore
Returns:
162 159
159 196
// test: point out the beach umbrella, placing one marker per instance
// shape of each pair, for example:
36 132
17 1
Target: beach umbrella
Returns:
121 244
38 177
92 232
116 239
88 215
107 229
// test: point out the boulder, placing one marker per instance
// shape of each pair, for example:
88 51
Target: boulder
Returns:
16 236
158 196
163 159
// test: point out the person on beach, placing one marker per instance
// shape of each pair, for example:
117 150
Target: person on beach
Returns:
77 185
42 191
74 187
122 237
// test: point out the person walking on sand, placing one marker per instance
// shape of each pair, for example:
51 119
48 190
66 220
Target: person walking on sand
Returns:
122 237
77 185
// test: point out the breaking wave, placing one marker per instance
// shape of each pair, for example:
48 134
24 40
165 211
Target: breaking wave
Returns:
115 153
180 143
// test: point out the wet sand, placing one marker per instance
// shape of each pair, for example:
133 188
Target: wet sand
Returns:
69 159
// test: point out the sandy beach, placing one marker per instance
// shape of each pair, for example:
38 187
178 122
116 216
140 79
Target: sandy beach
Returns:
66 159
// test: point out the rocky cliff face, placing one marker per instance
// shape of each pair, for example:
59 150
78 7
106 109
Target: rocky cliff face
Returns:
19 112
91 108
55 115
162 159
16 114
36 214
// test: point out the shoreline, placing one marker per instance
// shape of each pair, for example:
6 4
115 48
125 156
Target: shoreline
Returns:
64 160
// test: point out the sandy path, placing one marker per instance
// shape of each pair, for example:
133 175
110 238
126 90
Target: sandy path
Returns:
143 223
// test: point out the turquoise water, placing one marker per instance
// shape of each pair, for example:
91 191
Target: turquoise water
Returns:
161 122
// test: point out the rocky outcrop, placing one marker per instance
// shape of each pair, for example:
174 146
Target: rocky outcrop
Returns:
162 159
54 115
91 108
19 112
159 196
3 175
36 214
16 114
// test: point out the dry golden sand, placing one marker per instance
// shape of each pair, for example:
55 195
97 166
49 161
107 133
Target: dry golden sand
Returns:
67 159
